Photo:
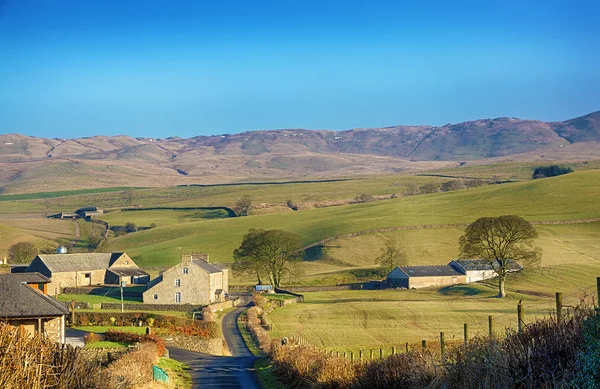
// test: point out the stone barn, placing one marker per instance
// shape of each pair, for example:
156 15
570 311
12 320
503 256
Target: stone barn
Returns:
424 276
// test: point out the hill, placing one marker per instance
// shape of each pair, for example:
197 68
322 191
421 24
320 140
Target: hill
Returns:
29 164
561 198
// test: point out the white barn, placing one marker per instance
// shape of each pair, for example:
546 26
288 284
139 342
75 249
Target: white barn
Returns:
479 269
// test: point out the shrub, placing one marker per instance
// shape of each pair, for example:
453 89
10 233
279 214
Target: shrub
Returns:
364 198
134 369
92 338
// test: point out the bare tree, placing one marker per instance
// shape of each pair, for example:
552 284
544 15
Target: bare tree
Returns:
500 241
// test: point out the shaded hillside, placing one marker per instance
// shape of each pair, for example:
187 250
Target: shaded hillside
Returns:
29 164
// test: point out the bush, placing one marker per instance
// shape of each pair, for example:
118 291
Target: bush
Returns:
364 198
428 188
170 324
92 338
131 338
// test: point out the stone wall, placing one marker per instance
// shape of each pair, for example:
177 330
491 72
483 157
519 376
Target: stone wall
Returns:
194 343
224 305
303 289
54 329
104 356
154 307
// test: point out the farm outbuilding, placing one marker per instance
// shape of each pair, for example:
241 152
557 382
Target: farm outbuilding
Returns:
480 269
86 269
424 276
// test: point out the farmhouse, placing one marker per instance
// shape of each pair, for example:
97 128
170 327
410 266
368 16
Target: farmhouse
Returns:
83 269
25 303
424 276
193 281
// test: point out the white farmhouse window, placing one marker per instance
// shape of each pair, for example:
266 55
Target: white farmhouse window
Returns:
177 298
185 270
177 282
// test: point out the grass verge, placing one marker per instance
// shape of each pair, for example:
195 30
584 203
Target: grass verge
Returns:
106 344
248 339
178 372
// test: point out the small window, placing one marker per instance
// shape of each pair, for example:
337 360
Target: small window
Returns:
185 270
178 282
88 275
155 296
177 298
127 262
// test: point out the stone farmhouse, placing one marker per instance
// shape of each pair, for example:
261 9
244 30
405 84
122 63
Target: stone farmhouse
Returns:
192 281
85 269
25 303
459 271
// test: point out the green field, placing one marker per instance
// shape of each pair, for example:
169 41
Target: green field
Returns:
567 197
162 218
218 195
361 320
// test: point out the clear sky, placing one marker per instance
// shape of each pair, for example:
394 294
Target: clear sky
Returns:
72 68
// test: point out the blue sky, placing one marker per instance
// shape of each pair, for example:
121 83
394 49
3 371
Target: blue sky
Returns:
72 68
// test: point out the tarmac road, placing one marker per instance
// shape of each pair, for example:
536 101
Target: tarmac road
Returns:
210 371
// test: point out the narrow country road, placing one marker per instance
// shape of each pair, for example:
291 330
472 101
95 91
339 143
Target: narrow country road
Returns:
210 371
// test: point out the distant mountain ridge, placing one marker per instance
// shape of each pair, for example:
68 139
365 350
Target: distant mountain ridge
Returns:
277 153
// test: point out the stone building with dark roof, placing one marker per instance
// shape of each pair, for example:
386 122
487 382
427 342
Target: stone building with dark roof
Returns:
24 302
85 269
424 276
193 281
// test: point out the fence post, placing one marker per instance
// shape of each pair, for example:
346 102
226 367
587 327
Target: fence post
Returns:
371 354
466 333
423 344
443 346
344 355
337 354
393 350
360 355
380 353
520 314
407 347
558 307
491 327
352 356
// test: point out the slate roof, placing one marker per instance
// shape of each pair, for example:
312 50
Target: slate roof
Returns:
482 264
208 267
25 301
429 271
30 278
128 271
78 261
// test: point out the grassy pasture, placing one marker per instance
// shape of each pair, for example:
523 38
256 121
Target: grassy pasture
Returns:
221 195
571 196
360 320
161 217
10 236
57 230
